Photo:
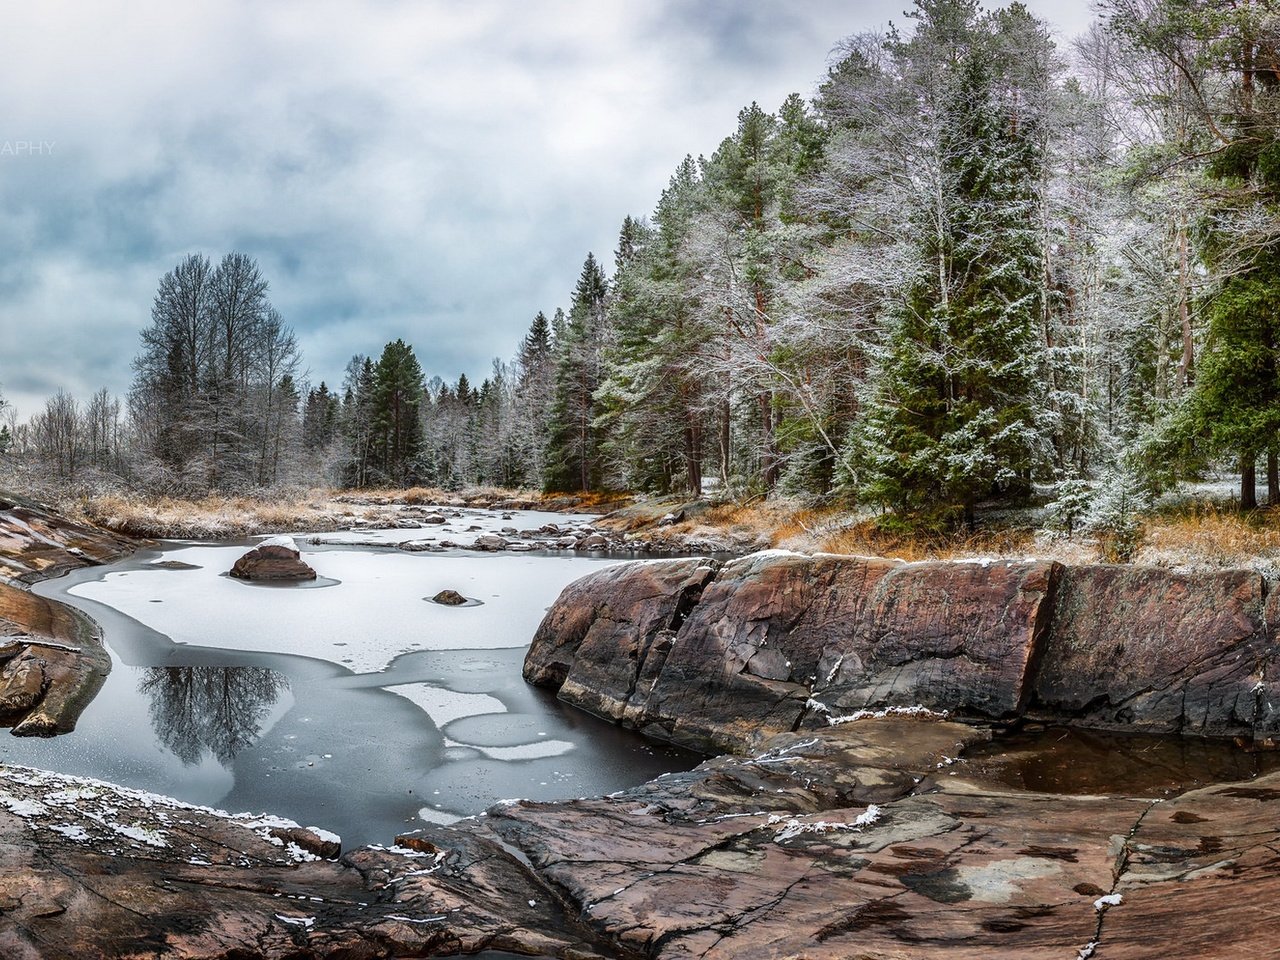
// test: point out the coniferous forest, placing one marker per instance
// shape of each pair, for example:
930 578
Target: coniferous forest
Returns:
977 269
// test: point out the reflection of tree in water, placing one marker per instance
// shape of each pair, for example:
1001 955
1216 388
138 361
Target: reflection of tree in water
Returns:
221 708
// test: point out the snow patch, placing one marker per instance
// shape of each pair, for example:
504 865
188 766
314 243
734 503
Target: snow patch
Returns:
794 827
1111 900
280 541
916 711
442 817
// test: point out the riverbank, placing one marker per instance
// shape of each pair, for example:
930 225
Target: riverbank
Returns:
868 839
876 836
1191 534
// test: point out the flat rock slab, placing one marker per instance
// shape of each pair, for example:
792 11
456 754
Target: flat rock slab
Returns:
36 543
864 840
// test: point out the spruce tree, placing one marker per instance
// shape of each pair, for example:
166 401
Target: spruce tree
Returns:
654 390
572 454
534 387
957 394
397 398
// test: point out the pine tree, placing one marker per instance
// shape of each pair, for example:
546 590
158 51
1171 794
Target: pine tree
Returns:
954 418
572 454
397 398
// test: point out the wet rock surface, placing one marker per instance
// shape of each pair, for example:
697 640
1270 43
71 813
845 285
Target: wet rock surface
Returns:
866 839
276 559
37 543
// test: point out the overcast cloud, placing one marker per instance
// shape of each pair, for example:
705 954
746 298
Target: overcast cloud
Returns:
429 170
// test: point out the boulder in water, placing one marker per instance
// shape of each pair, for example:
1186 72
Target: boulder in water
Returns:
276 558
449 598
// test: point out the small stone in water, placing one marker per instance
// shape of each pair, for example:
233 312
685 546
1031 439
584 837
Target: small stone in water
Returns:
450 598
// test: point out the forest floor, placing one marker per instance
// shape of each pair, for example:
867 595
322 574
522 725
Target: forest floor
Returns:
1195 533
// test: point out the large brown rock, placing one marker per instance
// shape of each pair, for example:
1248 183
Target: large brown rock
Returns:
779 641
275 559
778 638
1150 649
605 639
52 663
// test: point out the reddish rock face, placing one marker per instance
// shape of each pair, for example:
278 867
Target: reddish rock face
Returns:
272 561
792 638
606 638
780 641
52 664
776 639
1149 649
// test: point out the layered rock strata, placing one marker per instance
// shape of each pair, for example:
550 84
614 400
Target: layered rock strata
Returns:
720 657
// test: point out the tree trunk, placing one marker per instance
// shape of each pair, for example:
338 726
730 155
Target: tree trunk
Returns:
1273 480
726 421
768 452
693 454
1186 365
1248 480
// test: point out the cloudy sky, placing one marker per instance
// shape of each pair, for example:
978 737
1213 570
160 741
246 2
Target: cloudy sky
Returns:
432 170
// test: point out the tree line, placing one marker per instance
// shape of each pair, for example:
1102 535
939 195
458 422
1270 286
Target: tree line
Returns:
974 269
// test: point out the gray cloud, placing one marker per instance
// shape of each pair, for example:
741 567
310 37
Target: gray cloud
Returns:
434 171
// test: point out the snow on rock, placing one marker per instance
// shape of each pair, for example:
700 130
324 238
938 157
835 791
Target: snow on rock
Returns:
84 810
916 711
280 541
793 827
1111 900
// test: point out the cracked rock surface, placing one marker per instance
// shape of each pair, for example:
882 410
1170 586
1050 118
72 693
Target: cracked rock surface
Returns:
863 840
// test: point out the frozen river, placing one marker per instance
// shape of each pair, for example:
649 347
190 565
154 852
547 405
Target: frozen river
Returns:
356 704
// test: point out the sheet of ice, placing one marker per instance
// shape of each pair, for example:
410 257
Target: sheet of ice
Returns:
377 611
527 751
442 817
444 706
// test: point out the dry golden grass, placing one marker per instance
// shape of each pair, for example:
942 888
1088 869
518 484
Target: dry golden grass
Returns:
213 517
1209 536
235 517
1199 536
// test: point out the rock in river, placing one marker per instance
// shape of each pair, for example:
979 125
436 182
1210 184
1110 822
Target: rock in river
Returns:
276 558
449 598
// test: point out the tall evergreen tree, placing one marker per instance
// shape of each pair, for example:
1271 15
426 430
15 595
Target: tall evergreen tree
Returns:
397 397
958 391
572 453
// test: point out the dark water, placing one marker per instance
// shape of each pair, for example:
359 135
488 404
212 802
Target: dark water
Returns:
1072 761
310 739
